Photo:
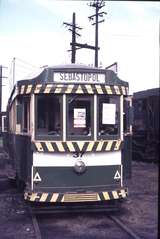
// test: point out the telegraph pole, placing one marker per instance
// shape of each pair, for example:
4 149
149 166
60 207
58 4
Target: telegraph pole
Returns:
73 38
74 45
0 89
73 28
1 85
97 4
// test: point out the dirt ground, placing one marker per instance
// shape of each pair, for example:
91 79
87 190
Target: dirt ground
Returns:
140 210
141 206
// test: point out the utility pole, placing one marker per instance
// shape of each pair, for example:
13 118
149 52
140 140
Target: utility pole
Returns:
0 89
74 38
73 28
1 80
74 45
97 4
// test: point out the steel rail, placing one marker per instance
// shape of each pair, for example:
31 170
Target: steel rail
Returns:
35 224
125 228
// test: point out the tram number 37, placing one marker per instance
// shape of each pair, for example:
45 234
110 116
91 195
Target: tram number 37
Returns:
78 154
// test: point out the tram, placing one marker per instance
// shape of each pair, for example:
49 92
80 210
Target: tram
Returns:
146 138
66 135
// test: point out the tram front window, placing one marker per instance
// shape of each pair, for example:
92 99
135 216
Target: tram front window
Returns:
79 115
108 116
48 116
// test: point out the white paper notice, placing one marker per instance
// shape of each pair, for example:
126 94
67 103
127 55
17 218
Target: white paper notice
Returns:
108 113
79 118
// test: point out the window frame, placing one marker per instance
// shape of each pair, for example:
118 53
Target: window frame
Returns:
22 114
4 122
47 136
109 137
80 137
26 115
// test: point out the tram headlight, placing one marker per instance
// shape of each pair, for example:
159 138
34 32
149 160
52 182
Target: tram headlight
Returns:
79 167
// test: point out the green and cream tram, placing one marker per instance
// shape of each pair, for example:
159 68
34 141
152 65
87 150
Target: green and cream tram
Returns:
65 135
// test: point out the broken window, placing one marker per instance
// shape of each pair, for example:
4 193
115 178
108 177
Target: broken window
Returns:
108 116
79 117
26 121
23 114
4 123
127 115
49 116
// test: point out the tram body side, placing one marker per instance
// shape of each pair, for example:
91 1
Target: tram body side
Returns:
146 125
63 146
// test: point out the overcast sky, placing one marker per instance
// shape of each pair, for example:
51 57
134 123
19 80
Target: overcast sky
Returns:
33 32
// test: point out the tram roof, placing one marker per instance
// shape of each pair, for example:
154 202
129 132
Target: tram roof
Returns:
74 66
146 93
45 74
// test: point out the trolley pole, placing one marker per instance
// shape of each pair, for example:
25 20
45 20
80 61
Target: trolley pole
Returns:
13 76
97 4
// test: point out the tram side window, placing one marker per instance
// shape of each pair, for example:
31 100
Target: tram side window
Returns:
23 114
79 117
108 116
4 123
12 118
49 120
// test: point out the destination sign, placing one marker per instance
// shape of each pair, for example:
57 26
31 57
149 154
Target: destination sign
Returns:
73 77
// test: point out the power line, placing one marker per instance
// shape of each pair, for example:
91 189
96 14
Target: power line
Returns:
25 62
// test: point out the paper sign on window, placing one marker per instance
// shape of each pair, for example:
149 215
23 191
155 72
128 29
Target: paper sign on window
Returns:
108 113
79 118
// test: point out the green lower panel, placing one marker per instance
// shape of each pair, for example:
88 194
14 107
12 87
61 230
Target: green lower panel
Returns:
66 177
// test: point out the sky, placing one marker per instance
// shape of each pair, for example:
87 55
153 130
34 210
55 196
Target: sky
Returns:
33 32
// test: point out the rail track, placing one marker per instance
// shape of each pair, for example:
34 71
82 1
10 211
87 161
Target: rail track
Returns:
35 224
130 234
125 228
34 213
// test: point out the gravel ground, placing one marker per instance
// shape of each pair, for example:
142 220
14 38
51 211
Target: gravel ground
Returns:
80 226
15 221
141 208
139 212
